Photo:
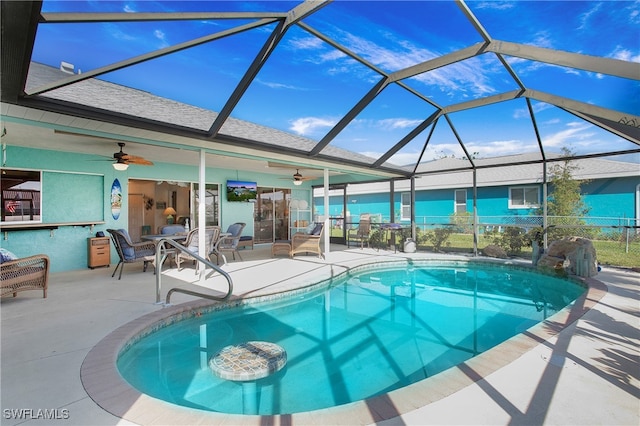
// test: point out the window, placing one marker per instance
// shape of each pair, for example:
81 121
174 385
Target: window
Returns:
21 196
405 206
527 197
460 201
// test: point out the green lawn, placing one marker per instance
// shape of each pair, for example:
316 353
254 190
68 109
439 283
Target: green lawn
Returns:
608 252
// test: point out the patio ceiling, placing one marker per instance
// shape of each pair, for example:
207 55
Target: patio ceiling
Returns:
372 88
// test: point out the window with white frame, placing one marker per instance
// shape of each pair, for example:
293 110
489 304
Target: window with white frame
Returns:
460 201
524 197
405 206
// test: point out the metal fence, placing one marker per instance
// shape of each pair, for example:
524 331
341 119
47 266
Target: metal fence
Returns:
618 239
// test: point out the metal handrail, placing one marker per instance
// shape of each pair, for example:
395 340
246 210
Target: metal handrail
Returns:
161 256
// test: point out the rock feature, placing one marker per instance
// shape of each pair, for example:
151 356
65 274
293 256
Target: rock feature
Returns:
494 251
575 255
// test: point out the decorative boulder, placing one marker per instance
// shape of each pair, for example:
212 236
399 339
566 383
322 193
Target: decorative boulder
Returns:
494 251
575 254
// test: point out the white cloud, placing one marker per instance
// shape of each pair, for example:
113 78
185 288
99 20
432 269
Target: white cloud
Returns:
495 5
542 39
306 43
397 123
569 136
625 54
537 107
161 36
274 85
308 125
450 79
116 33
334 55
586 17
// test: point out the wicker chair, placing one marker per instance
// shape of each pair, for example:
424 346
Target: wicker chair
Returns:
228 242
27 273
192 243
308 243
130 252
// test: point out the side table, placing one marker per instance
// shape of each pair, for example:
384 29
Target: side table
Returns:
98 252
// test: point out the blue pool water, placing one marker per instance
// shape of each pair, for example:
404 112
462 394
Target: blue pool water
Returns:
367 334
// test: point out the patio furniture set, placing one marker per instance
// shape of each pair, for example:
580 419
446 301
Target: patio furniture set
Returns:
32 273
301 242
217 244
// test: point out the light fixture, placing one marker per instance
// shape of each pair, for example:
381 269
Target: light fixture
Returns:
297 178
297 182
120 165
169 212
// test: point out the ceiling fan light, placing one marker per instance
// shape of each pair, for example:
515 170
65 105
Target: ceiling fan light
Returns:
297 182
121 167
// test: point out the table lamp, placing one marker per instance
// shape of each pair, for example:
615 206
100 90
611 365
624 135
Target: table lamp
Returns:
169 212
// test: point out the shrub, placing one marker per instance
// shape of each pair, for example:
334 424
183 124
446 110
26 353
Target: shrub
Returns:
463 222
512 239
438 237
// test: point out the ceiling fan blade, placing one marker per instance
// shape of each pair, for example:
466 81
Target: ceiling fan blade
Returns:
132 159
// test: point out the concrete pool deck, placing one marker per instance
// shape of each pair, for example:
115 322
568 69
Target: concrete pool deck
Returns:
586 372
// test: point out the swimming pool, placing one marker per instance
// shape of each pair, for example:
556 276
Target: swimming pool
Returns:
365 334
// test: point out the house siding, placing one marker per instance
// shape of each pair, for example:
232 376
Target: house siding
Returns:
611 197
607 198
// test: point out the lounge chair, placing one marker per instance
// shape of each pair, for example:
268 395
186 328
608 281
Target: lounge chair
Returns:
228 242
192 243
308 242
130 252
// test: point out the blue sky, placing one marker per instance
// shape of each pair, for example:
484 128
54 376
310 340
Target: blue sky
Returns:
306 86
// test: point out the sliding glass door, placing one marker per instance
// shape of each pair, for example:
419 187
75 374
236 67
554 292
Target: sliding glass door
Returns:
271 215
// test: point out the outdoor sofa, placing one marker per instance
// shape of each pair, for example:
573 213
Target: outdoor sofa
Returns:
27 273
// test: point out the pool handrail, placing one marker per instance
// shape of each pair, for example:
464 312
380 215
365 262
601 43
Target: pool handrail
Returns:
161 255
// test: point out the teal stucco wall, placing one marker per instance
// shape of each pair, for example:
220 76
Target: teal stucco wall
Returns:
77 188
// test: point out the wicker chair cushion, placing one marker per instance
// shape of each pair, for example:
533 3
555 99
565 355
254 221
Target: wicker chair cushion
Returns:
128 251
235 230
172 229
317 229
6 255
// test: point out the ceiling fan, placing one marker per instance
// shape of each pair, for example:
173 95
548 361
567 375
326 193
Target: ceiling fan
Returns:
298 178
123 159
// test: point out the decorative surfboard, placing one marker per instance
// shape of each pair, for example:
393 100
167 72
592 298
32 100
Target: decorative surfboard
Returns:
116 199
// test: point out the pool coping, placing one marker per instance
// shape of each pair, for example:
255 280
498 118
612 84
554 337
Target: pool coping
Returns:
104 384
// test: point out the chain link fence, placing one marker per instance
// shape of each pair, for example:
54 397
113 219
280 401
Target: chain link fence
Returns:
617 240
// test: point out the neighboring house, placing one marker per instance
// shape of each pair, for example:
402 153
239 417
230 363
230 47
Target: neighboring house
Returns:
505 195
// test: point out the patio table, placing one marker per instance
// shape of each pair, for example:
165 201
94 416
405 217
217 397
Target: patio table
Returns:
167 250
393 228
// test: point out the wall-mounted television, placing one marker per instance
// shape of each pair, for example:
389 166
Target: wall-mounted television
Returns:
241 190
